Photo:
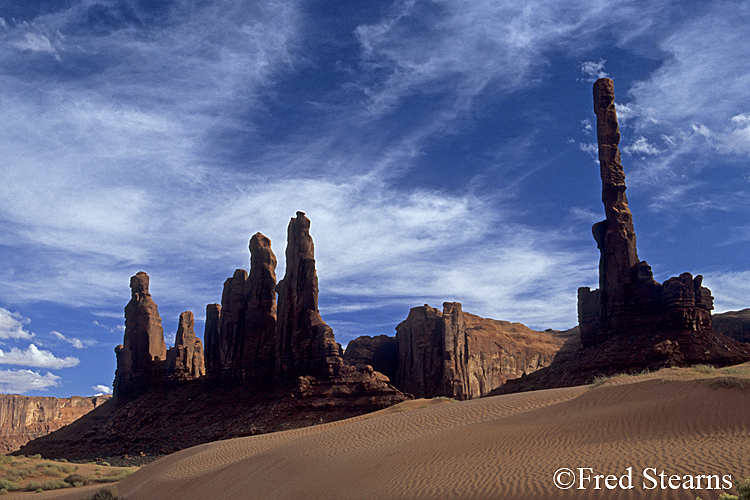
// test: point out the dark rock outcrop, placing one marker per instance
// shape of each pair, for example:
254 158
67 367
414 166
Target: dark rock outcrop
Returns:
629 301
380 352
142 355
23 418
259 342
305 345
185 360
211 338
734 324
464 356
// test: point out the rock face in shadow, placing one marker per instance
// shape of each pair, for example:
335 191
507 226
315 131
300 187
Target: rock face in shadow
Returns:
629 301
305 345
185 360
463 356
734 324
23 418
380 352
141 357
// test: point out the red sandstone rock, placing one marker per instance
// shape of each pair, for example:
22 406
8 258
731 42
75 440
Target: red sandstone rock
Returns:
23 418
185 360
463 356
379 352
141 357
629 301
305 345
259 339
211 338
734 324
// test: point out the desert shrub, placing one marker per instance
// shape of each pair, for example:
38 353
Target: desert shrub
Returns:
109 478
704 368
3 491
68 468
62 459
106 464
77 480
38 490
9 485
33 485
5 459
55 484
450 400
35 457
729 382
107 493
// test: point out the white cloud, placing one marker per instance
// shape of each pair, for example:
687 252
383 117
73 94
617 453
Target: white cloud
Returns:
471 45
11 325
101 389
590 148
586 126
594 70
33 356
640 146
21 381
77 343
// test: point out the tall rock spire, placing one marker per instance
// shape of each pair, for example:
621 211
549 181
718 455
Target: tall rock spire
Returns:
305 345
629 301
185 360
259 340
141 357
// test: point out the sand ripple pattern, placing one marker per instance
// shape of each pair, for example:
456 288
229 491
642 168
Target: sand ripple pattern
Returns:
504 447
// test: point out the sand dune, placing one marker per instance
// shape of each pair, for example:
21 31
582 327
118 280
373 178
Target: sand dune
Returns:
503 447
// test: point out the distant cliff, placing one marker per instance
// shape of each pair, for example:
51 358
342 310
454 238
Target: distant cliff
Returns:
456 354
23 418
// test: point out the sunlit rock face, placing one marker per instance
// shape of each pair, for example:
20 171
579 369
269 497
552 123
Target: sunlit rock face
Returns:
463 356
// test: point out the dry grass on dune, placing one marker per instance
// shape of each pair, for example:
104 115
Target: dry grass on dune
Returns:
685 422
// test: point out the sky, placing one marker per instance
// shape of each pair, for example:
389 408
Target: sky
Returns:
444 150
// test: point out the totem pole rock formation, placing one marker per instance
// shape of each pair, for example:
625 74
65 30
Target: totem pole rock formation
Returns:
140 358
185 360
464 356
305 345
629 301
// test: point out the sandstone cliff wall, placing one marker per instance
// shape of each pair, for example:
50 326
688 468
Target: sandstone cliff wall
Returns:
23 418
460 355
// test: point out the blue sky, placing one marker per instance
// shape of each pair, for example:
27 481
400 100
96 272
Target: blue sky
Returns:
443 150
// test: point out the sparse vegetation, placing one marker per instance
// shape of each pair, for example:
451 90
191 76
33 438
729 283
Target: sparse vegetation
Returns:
113 476
9 485
33 474
77 480
450 400
728 377
108 493
55 484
